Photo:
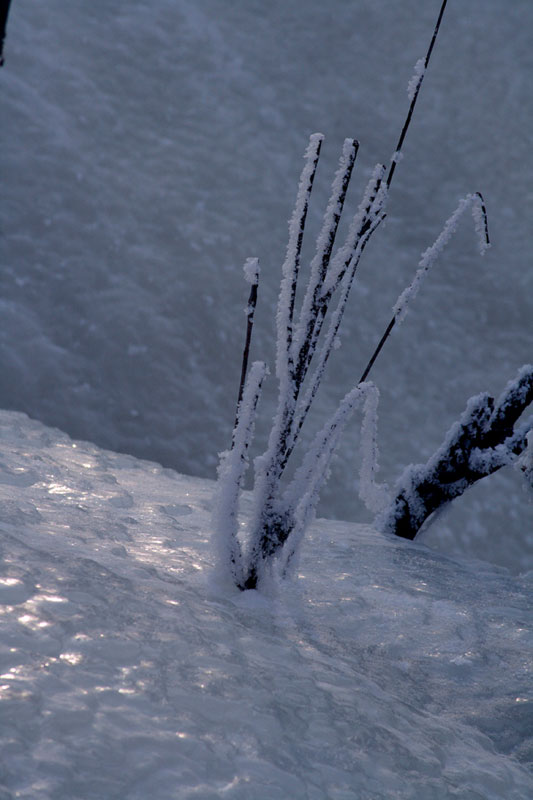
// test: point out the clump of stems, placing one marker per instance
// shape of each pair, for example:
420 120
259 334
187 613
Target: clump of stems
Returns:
305 340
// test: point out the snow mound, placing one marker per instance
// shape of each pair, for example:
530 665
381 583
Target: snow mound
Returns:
385 670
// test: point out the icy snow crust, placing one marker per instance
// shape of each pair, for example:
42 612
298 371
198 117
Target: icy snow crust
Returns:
148 149
384 670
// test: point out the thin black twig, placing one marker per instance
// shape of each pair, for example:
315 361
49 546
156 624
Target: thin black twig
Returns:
250 311
407 122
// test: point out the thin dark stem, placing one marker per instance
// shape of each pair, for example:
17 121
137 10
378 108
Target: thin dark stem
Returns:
250 311
415 95
311 304
317 377
377 351
485 216
298 251
390 326
322 300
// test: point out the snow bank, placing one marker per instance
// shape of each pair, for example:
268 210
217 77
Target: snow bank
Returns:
384 670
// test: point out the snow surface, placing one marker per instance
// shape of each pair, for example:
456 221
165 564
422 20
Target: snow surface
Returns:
148 149
385 670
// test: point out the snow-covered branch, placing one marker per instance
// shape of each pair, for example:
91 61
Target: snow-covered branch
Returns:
483 441
231 471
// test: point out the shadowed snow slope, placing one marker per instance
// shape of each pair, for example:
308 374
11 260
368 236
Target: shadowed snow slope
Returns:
148 148
384 670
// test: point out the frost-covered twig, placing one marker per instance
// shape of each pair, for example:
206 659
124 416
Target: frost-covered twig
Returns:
291 264
231 471
303 492
483 441
374 495
414 87
429 256
477 205
331 335
251 274
320 263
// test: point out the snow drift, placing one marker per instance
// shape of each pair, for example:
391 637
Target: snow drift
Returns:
383 670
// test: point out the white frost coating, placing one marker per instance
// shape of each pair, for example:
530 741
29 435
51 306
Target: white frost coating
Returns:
292 260
266 467
334 324
331 215
303 492
492 458
366 207
430 255
374 495
416 79
251 271
232 468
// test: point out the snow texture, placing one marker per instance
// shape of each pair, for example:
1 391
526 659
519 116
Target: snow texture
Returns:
385 670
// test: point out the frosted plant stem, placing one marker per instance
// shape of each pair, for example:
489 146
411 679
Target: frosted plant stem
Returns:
268 468
429 257
303 492
251 271
329 340
291 264
374 495
231 471
371 204
319 265
342 271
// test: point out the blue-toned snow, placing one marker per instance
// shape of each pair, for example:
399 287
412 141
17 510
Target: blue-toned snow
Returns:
385 670
149 148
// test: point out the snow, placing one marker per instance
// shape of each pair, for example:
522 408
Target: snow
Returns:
149 148
382 670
